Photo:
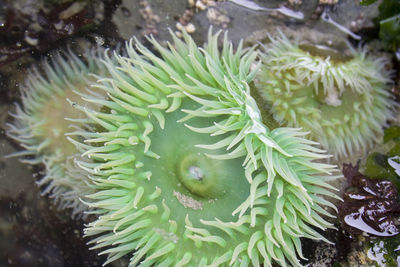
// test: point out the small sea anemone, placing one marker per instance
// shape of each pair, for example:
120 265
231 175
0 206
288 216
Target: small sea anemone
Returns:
185 170
342 100
40 125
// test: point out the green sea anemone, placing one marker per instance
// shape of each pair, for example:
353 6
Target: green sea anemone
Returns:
342 100
185 170
39 125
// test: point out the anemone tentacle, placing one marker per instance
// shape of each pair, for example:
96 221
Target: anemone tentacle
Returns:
39 125
186 172
343 101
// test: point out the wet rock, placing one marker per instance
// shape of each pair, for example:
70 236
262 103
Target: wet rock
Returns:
32 28
349 14
326 255
147 17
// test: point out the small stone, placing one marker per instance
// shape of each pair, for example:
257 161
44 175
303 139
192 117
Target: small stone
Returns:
200 5
178 34
190 28
328 2
179 26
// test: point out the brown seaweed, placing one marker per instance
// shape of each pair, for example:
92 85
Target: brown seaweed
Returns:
371 205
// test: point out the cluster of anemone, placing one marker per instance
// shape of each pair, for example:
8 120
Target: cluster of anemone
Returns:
40 125
342 100
174 158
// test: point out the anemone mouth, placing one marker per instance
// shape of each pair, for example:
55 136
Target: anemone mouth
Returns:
185 171
200 176
343 103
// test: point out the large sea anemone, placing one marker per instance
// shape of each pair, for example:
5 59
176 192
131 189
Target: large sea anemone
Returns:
186 171
342 100
40 125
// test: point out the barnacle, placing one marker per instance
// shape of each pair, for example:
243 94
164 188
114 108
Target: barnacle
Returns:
40 126
185 170
342 100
